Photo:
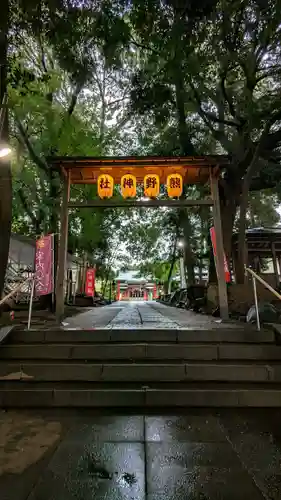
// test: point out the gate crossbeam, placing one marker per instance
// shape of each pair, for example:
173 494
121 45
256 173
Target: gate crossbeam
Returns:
139 203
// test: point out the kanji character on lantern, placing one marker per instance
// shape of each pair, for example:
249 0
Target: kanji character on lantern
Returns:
151 185
174 185
128 186
105 186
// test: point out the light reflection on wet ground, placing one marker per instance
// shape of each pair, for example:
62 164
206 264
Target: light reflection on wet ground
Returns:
199 455
227 455
141 315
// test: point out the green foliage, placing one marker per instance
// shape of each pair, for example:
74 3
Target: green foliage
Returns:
262 210
144 77
158 270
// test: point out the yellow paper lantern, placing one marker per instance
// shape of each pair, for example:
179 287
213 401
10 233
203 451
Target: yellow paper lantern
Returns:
174 185
128 186
105 186
151 185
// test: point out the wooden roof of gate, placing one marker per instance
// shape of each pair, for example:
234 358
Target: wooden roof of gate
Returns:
85 170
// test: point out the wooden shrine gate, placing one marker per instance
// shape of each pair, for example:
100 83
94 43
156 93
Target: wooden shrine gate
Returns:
193 170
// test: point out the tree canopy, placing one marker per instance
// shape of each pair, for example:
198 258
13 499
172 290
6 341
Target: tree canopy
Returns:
143 77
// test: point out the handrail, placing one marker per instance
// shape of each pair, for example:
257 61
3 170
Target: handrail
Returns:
255 277
264 283
15 290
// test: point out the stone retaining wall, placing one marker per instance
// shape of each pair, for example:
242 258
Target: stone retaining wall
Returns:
240 297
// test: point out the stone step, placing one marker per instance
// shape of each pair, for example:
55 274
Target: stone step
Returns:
231 335
139 372
126 351
41 395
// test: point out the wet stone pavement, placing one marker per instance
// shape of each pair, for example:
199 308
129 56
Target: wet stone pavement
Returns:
148 315
85 455
199 455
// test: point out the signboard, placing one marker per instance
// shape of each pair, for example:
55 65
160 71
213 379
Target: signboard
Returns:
151 185
128 186
90 282
44 265
105 186
174 185
225 264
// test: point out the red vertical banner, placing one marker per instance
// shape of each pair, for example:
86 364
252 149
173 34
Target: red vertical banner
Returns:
155 291
118 291
44 265
225 264
90 282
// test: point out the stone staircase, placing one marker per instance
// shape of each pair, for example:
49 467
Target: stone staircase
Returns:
224 367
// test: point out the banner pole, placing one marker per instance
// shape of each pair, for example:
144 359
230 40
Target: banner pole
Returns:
30 302
53 272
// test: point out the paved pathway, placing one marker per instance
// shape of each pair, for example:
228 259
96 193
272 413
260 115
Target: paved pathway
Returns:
149 315
82 456
67 455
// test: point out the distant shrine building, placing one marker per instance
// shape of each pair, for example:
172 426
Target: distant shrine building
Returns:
130 286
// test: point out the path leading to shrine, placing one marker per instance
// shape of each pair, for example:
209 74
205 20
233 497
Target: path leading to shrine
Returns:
83 454
146 315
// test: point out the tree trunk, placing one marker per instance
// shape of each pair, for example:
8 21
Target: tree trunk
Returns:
242 246
252 215
106 281
228 204
187 147
172 264
5 169
204 229
168 286
46 301
189 259
212 266
228 213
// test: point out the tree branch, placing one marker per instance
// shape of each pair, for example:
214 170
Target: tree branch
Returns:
24 201
69 112
208 114
74 97
117 101
216 119
33 155
145 47
218 135
255 165
226 96
43 60
268 72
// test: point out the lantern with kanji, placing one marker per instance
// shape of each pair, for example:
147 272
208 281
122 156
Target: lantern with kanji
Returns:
174 185
151 185
105 186
128 186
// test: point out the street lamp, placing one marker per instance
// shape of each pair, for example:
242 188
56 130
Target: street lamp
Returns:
4 151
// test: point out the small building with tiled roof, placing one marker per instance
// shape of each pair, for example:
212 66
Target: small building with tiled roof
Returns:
132 286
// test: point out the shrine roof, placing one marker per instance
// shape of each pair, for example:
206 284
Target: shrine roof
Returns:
131 277
260 240
85 170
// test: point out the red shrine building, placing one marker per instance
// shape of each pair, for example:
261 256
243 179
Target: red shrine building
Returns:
130 286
